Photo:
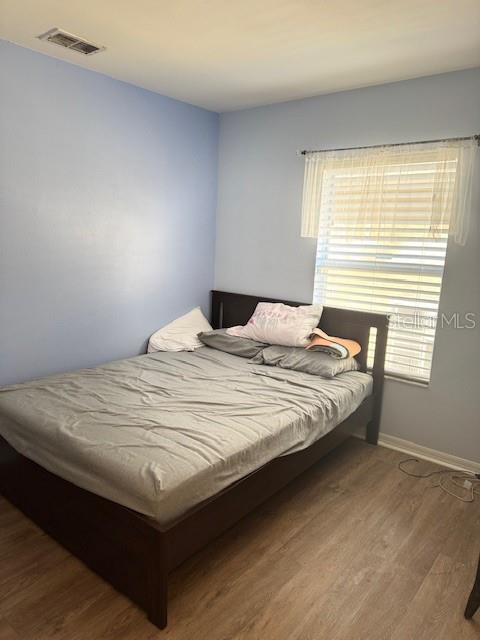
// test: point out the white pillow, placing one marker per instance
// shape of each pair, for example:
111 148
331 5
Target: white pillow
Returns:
181 334
277 323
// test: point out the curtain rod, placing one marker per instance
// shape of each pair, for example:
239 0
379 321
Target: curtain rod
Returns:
395 144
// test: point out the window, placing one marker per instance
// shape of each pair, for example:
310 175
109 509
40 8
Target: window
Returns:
382 219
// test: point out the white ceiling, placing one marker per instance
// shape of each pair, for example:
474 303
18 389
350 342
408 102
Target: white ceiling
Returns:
230 54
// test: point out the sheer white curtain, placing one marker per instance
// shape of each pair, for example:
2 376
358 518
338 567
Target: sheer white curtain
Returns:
384 182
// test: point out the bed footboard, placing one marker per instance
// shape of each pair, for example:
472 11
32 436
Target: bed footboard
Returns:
120 545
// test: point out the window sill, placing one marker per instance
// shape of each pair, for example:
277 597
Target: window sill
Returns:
424 384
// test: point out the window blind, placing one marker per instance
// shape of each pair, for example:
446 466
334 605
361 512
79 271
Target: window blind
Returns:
378 250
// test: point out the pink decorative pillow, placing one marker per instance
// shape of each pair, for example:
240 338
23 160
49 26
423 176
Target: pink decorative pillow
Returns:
277 323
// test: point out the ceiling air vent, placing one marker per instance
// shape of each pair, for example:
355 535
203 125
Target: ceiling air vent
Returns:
69 41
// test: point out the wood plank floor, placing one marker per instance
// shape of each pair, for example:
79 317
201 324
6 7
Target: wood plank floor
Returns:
352 550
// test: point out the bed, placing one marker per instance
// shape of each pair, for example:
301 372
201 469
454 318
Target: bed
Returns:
135 465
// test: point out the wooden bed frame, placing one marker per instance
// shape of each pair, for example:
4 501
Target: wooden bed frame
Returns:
134 553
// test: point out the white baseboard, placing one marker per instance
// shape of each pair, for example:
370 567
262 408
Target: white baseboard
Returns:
417 451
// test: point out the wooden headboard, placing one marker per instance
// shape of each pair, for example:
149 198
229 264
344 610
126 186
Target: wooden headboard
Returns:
229 309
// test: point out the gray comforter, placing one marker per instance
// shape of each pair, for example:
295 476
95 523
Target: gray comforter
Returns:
159 433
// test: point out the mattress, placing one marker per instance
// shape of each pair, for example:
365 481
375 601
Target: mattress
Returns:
160 433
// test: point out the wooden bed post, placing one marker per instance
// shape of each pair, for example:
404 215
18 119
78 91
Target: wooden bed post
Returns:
158 607
216 311
378 373
158 584
373 428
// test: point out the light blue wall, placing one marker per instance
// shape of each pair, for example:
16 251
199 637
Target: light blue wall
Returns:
107 220
107 214
259 248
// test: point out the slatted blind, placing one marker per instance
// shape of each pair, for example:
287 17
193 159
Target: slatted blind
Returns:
377 252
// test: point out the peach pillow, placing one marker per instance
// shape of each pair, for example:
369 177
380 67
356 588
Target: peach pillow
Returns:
320 340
